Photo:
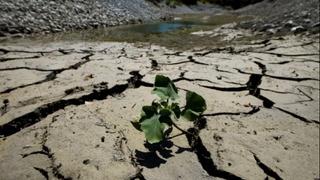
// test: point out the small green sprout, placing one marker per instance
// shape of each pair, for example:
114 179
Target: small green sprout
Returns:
156 120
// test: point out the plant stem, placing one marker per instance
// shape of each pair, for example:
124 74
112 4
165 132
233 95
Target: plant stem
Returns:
174 136
182 130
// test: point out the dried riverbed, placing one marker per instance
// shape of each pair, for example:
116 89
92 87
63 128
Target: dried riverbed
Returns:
66 109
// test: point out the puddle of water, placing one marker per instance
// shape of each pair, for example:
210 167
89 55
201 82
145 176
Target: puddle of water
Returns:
160 27
173 34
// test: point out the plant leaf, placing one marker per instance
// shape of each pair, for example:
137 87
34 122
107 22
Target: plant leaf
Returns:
153 129
176 110
167 129
162 81
195 106
195 102
165 112
165 88
190 115
165 119
147 112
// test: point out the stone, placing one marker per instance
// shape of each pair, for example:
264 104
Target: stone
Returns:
290 23
271 31
298 29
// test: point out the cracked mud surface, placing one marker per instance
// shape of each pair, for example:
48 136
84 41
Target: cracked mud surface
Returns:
65 111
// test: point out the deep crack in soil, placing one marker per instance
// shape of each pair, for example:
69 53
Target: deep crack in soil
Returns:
204 156
43 111
198 64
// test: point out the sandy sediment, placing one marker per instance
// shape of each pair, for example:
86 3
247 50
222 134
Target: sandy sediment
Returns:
66 110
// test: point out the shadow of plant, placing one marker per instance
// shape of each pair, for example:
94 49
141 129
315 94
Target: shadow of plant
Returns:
157 153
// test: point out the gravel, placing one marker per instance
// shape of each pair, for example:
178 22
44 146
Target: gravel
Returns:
34 16
283 16
46 16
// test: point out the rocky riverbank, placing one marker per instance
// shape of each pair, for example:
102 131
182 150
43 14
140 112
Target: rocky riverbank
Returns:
26 17
18 17
283 16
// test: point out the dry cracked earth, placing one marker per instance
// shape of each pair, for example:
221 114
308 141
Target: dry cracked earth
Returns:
66 110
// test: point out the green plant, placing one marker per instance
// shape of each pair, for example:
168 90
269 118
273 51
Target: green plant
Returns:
157 120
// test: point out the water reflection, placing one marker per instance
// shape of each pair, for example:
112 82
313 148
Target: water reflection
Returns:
174 34
162 27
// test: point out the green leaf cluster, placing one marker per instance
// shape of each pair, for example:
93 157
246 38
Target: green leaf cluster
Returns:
156 120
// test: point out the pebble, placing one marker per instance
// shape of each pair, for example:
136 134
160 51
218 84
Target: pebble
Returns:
297 29
290 23
271 31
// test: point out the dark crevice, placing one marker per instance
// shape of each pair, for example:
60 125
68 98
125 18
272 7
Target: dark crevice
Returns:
55 169
190 60
216 50
267 103
17 58
123 53
191 80
281 55
279 92
254 90
176 63
204 53
53 74
4 108
299 102
137 176
62 51
34 153
227 89
43 172
253 111
183 78
203 155
154 64
178 53
282 62
225 71
292 79
195 61
310 87
135 81
262 67
267 170
252 85
305 94
56 172
294 115
235 83
27 68
43 111
298 45
280 77
308 60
